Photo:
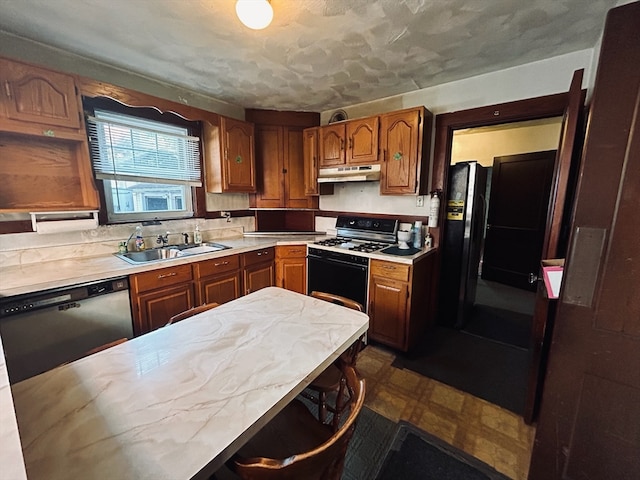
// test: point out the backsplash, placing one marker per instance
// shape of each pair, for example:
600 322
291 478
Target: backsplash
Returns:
27 248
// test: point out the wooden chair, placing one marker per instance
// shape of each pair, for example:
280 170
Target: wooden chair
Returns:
295 445
338 300
331 379
191 312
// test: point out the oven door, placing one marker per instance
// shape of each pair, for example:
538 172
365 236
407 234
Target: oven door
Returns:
337 277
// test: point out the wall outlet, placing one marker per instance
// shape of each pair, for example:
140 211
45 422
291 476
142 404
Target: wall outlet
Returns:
420 201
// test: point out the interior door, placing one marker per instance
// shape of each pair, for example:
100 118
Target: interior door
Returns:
518 203
589 422
554 245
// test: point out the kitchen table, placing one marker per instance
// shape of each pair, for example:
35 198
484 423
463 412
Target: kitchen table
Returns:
178 402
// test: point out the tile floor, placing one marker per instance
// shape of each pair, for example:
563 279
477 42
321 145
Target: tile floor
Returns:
492 434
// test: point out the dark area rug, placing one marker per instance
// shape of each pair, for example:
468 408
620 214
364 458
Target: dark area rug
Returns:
505 326
486 369
415 454
368 446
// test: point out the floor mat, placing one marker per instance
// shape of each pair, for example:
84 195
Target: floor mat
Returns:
367 448
486 369
415 454
505 326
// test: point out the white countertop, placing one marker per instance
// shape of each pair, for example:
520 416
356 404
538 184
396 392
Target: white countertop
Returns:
178 401
34 277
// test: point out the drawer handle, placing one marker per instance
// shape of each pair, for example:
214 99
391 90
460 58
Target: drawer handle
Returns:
221 263
389 267
172 274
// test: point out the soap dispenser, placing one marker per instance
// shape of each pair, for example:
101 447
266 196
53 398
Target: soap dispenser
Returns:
139 239
197 236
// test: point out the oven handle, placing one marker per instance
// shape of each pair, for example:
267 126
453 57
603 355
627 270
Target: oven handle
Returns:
363 268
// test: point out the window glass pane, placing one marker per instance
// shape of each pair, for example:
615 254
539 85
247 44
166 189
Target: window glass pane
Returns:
147 201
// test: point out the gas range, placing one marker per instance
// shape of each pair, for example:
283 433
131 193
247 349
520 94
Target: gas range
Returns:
351 244
362 234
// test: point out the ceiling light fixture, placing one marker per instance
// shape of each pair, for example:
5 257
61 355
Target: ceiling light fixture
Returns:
256 14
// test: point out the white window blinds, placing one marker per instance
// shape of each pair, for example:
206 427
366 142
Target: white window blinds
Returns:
136 149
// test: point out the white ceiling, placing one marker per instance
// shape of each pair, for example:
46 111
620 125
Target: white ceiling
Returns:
316 55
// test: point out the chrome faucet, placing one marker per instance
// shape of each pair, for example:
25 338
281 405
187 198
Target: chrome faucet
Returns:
163 239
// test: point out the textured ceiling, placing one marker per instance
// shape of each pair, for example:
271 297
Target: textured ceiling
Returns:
316 55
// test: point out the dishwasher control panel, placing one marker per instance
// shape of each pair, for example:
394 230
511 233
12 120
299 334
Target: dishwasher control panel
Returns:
60 296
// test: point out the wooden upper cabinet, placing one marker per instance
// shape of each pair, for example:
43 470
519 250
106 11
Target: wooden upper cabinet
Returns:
238 141
332 145
43 144
229 156
270 167
402 144
349 143
294 185
310 154
362 141
38 101
280 159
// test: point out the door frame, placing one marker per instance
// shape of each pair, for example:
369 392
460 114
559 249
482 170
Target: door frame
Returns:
522 110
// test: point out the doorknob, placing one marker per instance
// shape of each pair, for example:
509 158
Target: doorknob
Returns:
533 278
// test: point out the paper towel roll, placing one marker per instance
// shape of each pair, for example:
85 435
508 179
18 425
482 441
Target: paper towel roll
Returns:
60 226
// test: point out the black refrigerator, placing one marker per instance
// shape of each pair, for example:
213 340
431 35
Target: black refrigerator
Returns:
464 227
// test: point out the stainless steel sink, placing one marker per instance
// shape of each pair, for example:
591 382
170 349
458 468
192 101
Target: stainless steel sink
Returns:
169 252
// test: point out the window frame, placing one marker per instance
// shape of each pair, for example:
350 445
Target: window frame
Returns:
195 196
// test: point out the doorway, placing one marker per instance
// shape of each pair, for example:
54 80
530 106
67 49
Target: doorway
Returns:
518 158
491 370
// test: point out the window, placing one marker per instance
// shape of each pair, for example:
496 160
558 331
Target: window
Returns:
148 167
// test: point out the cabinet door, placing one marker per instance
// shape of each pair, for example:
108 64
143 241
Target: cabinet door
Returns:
36 95
291 268
332 145
219 289
401 149
258 276
238 155
291 273
362 141
310 146
294 180
270 166
154 309
388 309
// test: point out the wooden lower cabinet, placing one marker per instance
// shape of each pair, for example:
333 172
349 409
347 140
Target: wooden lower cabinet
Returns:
218 280
291 268
158 295
258 269
400 302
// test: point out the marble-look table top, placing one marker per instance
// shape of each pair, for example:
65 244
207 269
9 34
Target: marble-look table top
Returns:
177 402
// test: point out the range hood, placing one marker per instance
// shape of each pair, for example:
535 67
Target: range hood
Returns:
356 173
